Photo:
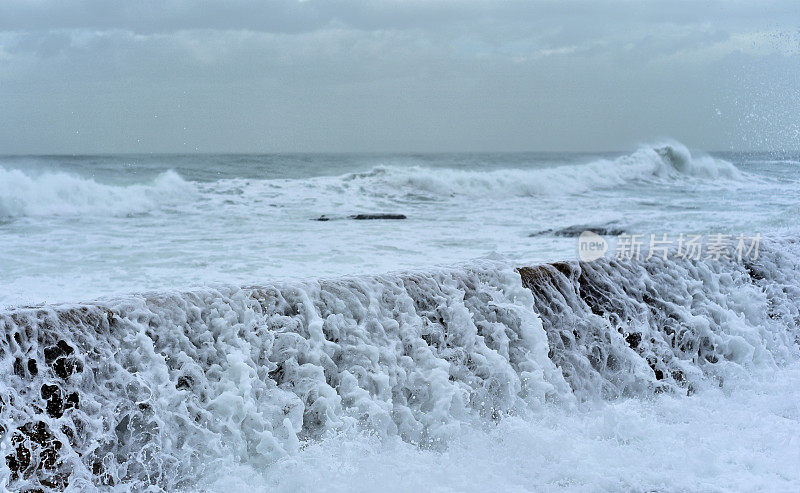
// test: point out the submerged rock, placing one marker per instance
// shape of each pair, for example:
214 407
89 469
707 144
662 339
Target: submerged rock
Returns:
361 217
576 230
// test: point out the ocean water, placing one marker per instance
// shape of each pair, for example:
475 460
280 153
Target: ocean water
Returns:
188 323
78 228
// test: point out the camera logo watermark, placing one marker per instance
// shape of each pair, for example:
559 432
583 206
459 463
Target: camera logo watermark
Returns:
717 246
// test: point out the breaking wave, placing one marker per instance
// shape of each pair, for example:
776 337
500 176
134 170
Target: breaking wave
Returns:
151 390
56 193
660 162
53 193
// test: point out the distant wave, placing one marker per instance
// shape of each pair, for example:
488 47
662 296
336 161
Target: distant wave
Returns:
63 194
56 193
665 161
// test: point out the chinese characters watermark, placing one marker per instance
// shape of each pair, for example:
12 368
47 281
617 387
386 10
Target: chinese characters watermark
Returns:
716 246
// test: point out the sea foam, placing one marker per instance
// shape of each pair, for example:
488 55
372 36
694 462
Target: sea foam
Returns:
668 161
56 193
25 193
154 390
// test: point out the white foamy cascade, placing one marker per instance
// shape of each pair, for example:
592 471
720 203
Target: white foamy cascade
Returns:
147 390
55 193
627 328
151 390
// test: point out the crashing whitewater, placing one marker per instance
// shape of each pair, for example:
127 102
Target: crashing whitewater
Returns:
476 376
54 193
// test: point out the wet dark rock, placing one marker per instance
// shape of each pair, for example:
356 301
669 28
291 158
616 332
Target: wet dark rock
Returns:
184 382
72 401
54 404
60 349
634 340
64 367
59 358
19 367
36 451
99 472
363 217
533 276
278 374
432 340
755 273
576 230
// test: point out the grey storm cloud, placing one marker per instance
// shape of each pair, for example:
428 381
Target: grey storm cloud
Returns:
179 76
301 16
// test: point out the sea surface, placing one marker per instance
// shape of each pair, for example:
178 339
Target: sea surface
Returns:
75 228
226 323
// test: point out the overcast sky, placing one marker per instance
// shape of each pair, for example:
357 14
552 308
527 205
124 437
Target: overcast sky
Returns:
381 75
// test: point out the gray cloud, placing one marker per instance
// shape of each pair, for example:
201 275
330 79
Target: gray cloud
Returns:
179 76
303 16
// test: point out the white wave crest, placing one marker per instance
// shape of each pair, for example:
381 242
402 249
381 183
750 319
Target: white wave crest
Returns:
671 161
64 194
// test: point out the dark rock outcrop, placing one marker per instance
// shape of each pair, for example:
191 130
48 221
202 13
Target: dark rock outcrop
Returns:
363 217
576 230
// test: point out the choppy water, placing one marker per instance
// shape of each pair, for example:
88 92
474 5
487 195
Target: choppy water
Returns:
240 369
77 228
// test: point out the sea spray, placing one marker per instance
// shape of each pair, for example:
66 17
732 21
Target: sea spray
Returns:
56 193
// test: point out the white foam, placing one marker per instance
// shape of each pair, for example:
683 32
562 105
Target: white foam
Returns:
741 438
56 193
671 161
172 385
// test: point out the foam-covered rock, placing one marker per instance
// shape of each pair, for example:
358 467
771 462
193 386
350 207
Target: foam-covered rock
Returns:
150 389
